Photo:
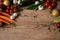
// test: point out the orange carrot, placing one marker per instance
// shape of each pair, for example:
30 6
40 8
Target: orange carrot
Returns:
6 18
4 21
3 13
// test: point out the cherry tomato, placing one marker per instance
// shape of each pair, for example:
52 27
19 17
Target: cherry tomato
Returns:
49 7
8 7
14 10
54 1
47 4
53 5
15 5
47 0
11 7
7 10
11 12
2 0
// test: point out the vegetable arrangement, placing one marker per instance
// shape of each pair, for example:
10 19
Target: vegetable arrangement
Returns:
8 9
8 12
52 5
38 5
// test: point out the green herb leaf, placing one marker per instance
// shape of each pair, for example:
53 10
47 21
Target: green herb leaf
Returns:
33 7
13 24
59 29
52 23
57 20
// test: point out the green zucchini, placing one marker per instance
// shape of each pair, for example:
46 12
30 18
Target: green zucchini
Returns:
57 20
33 7
26 2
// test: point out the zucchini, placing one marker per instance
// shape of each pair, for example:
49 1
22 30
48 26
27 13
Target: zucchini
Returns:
33 7
57 20
27 2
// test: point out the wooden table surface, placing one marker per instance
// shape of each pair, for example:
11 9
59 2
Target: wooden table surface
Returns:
31 25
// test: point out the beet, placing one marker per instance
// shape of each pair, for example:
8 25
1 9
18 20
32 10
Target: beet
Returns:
58 25
1 5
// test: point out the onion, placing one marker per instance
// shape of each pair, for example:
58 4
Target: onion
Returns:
13 16
40 7
36 2
15 1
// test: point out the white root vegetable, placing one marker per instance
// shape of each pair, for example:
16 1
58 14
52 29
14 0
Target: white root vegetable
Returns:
15 1
19 2
40 7
36 2
13 16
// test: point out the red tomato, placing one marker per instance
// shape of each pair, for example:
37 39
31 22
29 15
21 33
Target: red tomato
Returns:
47 0
14 10
11 11
8 7
47 4
54 1
15 5
49 7
53 5
2 0
7 10
11 7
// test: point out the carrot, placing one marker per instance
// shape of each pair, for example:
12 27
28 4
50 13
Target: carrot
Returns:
3 13
4 21
6 18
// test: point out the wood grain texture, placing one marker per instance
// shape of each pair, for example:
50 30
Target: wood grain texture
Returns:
31 26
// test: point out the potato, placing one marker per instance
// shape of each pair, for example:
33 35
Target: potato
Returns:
55 12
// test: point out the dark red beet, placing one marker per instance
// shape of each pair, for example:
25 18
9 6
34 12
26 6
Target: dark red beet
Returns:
0 5
58 25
